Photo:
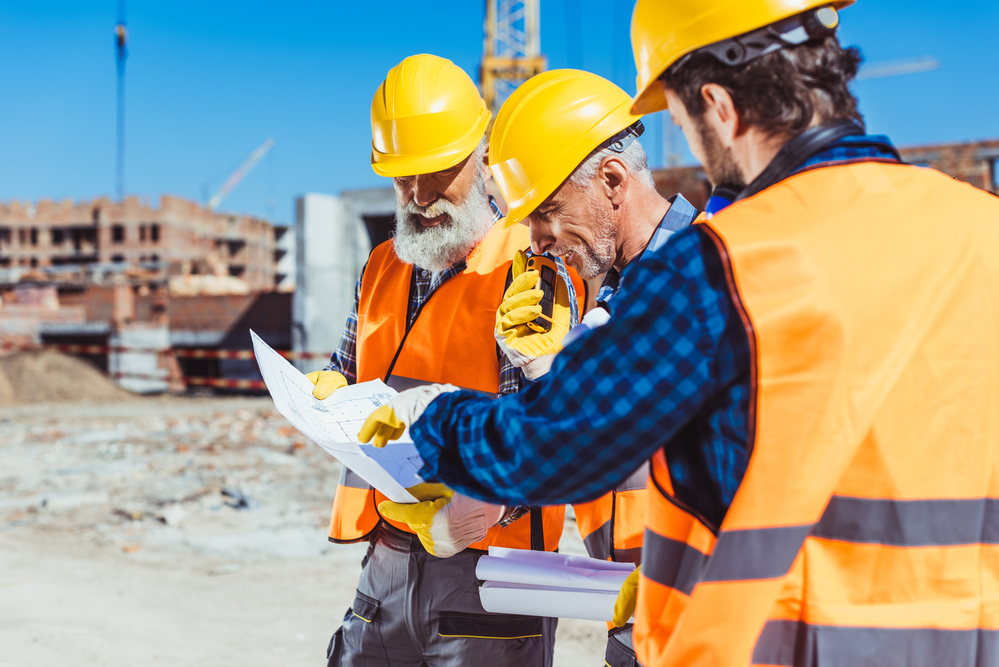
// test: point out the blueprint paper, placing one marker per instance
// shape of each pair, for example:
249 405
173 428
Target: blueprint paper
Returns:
552 558
333 423
538 583
491 568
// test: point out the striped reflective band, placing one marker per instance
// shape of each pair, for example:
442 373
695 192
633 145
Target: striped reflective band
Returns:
351 479
768 553
798 644
598 543
761 553
637 481
671 563
910 523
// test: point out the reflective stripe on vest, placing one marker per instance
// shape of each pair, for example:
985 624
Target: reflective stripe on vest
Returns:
866 529
450 342
612 526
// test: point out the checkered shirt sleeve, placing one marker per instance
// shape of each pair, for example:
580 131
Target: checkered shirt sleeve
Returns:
613 398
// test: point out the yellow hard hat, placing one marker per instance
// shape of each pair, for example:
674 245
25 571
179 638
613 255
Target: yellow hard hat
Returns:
663 31
546 128
427 116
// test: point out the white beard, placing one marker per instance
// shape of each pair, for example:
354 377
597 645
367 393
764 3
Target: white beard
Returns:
439 248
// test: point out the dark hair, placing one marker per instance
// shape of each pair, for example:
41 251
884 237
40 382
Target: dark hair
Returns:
781 92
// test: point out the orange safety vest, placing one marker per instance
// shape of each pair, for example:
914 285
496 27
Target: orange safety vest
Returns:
450 342
612 526
866 528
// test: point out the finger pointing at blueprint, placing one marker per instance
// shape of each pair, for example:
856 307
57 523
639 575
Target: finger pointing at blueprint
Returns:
333 423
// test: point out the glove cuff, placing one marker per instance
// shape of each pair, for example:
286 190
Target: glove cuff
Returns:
537 367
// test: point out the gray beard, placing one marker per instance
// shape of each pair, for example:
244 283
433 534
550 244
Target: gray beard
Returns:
597 258
439 248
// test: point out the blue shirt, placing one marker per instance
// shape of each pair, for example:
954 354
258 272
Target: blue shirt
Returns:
671 370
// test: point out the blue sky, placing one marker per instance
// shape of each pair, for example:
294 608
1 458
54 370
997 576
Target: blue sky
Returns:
209 81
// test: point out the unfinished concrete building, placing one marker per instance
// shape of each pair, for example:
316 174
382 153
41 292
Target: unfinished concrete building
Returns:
92 240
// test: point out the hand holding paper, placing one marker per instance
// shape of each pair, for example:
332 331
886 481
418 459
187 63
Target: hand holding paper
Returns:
389 421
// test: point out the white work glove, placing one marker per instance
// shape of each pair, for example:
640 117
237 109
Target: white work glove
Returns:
390 420
447 523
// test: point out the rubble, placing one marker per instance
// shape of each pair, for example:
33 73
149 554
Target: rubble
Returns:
177 531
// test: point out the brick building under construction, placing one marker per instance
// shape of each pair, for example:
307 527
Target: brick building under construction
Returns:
90 241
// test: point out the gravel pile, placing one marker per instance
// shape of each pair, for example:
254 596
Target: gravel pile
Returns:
46 375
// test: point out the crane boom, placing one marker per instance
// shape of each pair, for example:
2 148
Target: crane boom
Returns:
235 177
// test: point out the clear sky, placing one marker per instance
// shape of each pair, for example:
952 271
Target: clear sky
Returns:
208 81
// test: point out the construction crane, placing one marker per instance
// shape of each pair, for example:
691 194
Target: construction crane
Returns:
120 55
885 69
235 177
511 52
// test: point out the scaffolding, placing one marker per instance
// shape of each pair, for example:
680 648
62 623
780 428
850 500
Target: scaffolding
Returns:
511 51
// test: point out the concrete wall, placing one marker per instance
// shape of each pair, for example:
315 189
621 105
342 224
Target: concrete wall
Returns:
142 372
332 246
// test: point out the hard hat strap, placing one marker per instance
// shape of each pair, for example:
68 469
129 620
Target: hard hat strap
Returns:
792 31
620 141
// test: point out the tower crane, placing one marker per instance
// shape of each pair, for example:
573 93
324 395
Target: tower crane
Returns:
511 52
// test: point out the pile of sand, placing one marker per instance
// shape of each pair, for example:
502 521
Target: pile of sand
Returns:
38 377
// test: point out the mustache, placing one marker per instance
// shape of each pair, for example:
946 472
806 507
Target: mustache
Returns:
435 208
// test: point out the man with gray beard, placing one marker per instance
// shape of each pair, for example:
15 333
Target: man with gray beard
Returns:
424 312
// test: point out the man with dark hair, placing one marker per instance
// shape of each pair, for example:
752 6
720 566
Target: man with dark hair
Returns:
814 371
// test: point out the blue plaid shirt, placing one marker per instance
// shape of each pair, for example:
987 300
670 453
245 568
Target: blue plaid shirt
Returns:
671 370
344 359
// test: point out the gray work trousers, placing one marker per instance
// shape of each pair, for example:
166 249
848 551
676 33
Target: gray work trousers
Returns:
416 610
620 648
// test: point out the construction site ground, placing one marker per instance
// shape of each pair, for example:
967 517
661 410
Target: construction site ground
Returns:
176 531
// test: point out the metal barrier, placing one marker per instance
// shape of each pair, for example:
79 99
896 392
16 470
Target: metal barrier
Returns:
185 353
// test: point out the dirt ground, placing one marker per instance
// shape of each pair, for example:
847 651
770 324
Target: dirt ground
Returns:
178 531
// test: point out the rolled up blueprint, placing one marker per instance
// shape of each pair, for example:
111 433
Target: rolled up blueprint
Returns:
538 583
503 598
491 568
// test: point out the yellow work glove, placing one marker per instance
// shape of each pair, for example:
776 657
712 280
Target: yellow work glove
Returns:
624 608
390 420
326 383
446 522
530 351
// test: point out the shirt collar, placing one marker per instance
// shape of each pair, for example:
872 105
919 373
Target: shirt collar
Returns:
680 215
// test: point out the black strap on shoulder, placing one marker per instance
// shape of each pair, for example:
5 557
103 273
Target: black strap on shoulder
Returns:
799 149
537 529
409 324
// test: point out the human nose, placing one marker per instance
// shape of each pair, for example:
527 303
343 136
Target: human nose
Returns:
540 240
425 191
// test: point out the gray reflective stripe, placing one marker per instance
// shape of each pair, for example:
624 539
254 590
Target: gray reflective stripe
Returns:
796 644
351 479
598 543
633 555
759 553
636 481
911 523
671 563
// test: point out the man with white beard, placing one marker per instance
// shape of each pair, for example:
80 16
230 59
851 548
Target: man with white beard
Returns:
424 313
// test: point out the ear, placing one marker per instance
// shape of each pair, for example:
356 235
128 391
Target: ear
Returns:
486 174
613 175
721 113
